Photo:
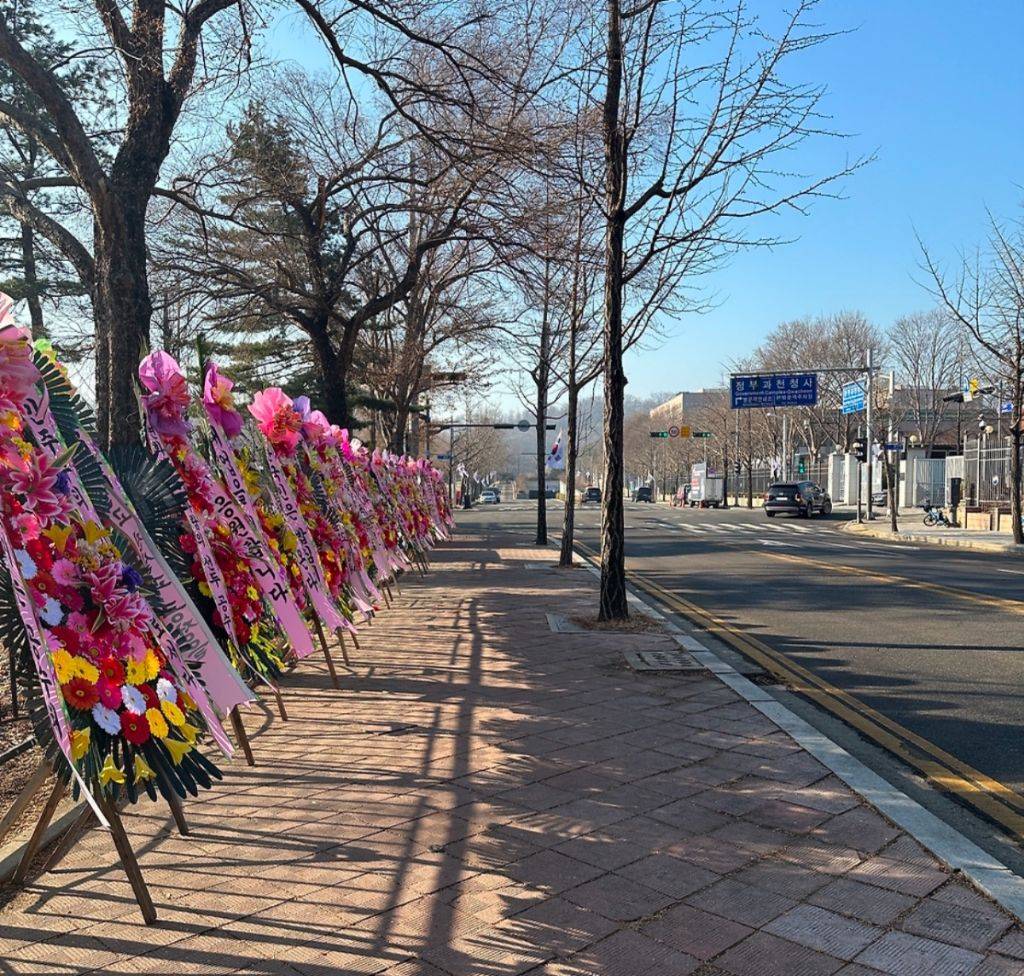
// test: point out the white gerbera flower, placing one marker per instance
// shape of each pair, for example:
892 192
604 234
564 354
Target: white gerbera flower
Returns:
106 719
166 691
133 700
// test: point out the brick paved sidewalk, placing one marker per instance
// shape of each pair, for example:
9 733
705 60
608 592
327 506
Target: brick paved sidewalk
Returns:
487 797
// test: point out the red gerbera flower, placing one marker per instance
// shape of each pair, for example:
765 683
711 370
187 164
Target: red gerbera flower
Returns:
79 693
112 669
109 693
135 728
152 701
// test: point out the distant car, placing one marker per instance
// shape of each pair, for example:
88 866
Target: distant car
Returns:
590 494
490 497
803 498
644 494
880 498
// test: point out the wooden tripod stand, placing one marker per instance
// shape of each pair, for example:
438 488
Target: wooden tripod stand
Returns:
126 855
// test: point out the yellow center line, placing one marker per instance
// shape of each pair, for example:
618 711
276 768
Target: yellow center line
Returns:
946 771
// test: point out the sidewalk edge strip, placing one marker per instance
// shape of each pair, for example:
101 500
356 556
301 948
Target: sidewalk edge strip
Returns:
947 844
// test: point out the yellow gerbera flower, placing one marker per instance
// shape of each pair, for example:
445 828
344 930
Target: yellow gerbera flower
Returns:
173 714
157 723
152 663
85 669
135 671
63 665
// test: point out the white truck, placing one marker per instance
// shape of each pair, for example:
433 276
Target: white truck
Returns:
707 490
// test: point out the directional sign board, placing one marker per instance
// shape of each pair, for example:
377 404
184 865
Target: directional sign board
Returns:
775 390
854 397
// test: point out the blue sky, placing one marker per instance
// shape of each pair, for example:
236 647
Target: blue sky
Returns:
936 88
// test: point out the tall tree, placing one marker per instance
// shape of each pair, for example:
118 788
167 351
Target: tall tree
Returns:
697 109
985 297
156 47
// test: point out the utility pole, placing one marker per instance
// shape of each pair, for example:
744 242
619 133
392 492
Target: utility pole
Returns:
870 443
785 447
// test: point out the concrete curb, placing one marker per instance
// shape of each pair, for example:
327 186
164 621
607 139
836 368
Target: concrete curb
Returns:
954 850
958 542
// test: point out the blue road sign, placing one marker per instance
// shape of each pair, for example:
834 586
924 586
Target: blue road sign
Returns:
444 457
775 390
854 397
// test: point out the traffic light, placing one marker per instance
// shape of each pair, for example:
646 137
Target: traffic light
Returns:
860 450
701 434
801 466
659 433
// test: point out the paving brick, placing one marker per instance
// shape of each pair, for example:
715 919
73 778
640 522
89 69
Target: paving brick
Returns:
901 954
696 933
669 875
956 924
551 871
618 898
741 903
782 877
558 925
625 954
1011 944
766 955
826 931
861 829
995 965
902 876
863 901
602 850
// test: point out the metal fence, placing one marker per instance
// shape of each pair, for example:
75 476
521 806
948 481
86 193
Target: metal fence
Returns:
986 474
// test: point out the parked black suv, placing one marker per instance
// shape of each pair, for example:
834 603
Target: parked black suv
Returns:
591 494
644 494
803 498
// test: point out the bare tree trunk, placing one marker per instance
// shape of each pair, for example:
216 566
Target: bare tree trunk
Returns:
123 312
28 260
542 503
613 530
331 373
571 447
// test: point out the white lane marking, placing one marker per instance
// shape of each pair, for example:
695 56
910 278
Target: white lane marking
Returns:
692 528
1014 572
777 542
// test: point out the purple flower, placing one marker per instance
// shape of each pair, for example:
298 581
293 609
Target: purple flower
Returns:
63 483
130 577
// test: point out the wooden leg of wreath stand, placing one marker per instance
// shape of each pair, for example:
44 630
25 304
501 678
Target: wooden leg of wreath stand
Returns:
385 591
355 641
32 847
128 859
276 692
178 812
24 798
243 739
344 650
64 845
327 651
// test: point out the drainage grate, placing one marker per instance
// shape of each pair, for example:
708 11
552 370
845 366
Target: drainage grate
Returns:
661 661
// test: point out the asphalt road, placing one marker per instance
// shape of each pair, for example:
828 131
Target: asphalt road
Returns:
930 637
